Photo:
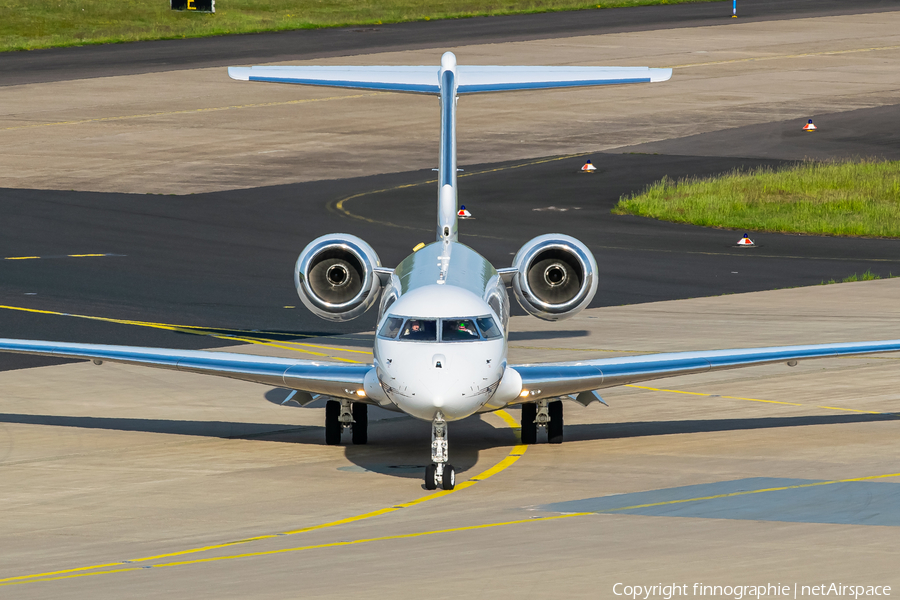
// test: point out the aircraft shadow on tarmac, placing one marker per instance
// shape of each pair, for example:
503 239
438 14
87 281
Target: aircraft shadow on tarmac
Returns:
522 336
398 446
606 431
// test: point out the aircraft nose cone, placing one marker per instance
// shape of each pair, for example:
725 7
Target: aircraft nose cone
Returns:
440 386
454 379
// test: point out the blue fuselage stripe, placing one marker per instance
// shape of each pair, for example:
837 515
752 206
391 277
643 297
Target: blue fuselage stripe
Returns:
447 128
538 85
366 85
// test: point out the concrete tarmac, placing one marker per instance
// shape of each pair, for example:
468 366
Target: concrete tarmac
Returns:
120 481
136 463
195 131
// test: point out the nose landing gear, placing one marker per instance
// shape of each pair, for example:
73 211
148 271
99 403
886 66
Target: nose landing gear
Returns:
439 473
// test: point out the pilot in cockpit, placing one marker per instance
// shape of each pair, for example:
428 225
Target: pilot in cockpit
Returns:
413 328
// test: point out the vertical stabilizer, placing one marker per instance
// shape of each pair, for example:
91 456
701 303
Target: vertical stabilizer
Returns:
451 81
447 197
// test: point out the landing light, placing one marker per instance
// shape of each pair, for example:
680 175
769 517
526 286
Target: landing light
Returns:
361 393
524 394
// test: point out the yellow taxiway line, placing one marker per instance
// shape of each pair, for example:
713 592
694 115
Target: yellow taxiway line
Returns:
340 208
513 456
508 461
189 111
400 536
838 408
57 575
238 335
59 256
748 492
784 57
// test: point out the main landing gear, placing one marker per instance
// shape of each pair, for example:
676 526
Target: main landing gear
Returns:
542 414
439 473
342 414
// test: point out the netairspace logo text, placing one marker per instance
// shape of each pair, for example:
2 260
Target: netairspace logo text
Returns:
769 590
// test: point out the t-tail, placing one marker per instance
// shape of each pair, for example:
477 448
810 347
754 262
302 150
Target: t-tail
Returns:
448 82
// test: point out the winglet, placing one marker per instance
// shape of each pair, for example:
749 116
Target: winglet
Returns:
240 73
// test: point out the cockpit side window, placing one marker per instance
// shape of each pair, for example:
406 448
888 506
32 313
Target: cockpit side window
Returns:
391 328
488 328
419 330
458 330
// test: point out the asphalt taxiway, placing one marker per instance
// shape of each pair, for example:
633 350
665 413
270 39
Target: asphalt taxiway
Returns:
120 481
42 66
153 484
223 259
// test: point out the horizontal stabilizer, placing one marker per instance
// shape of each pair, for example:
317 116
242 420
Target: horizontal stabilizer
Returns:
470 79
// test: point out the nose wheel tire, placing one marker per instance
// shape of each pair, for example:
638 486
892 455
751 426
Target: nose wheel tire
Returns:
449 479
431 477
360 423
555 426
446 480
332 423
529 427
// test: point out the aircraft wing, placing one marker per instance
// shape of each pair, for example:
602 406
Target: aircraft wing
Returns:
501 79
328 378
570 378
471 79
423 80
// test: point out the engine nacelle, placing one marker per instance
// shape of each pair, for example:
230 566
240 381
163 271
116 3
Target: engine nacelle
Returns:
556 277
335 277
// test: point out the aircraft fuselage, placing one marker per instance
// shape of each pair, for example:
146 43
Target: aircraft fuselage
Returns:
441 336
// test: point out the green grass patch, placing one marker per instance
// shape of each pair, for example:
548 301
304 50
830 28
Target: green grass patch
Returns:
30 24
859 198
867 276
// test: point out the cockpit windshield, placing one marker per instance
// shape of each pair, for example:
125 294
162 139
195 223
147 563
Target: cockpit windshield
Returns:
419 330
458 330
464 329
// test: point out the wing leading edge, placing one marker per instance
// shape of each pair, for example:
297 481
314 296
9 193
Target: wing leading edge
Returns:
546 380
327 378
560 379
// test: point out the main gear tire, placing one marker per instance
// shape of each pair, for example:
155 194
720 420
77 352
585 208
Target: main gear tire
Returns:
360 423
529 427
333 423
555 426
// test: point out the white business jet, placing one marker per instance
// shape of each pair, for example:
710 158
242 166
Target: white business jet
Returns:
440 351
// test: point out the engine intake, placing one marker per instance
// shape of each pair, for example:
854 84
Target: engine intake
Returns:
335 277
556 277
